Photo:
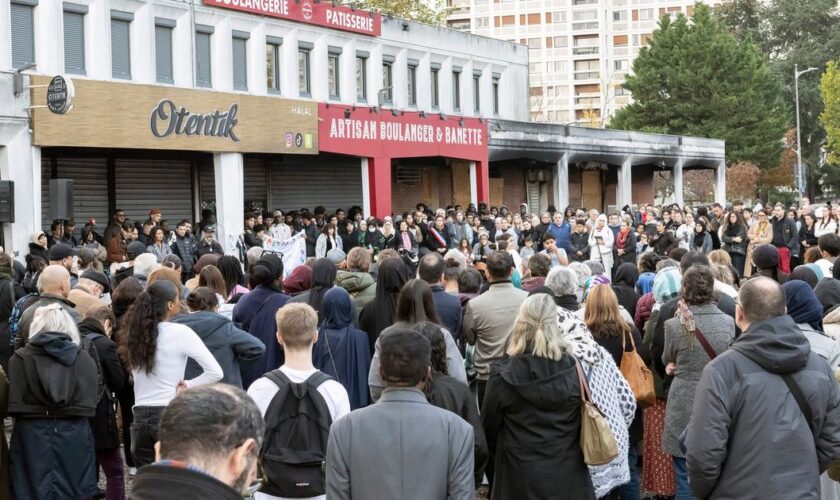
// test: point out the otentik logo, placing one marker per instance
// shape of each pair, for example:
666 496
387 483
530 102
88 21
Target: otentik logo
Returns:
167 119
306 10
290 139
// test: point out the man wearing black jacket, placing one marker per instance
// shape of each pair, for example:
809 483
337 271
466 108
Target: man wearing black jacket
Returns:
784 237
310 231
662 241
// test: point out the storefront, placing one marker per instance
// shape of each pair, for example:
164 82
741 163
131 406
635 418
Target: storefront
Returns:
408 157
137 147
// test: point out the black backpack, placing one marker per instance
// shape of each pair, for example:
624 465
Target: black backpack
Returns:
297 426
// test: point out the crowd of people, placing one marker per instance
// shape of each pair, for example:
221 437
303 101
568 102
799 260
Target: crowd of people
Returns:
665 351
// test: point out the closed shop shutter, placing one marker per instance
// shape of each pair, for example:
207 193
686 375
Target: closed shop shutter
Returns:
299 183
90 190
207 186
255 184
145 184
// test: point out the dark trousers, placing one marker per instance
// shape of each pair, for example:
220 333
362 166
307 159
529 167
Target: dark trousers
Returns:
112 465
144 433
739 260
481 386
126 399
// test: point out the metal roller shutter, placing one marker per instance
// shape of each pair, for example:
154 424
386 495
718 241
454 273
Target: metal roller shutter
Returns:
207 186
255 184
90 190
23 34
74 42
307 183
145 184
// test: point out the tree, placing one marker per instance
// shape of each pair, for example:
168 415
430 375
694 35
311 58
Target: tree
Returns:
432 12
696 78
742 181
830 117
804 33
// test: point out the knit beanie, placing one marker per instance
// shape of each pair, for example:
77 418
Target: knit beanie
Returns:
766 257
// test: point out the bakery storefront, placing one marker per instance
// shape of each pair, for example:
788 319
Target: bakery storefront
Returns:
137 147
408 157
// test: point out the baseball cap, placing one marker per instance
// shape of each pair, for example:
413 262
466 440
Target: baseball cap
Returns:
61 251
210 228
154 211
98 278
135 248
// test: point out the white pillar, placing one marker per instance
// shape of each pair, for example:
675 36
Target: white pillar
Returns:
365 188
677 178
561 183
624 190
720 183
473 184
21 162
229 173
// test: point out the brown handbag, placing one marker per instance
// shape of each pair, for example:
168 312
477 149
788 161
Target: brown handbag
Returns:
637 374
597 440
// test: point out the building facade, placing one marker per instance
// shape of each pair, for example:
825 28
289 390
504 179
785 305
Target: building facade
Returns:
580 50
219 105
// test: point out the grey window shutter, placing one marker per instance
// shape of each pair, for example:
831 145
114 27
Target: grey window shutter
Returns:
240 64
202 60
23 35
120 49
74 42
163 54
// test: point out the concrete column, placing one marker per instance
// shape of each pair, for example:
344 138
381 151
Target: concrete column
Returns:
20 162
473 184
365 187
624 190
720 183
379 186
677 178
561 183
229 173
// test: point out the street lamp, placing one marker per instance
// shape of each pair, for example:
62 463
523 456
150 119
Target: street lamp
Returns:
800 177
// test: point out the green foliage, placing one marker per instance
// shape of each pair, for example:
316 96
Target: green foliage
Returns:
696 78
830 117
432 12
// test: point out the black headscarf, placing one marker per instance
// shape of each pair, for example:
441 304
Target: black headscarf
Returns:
828 293
380 312
323 278
624 287
803 273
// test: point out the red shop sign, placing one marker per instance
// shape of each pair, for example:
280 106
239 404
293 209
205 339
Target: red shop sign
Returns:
322 13
373 134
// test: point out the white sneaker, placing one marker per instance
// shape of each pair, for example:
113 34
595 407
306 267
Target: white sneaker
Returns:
132 471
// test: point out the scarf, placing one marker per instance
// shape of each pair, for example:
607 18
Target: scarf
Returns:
685 316
621 238
439 237
406 240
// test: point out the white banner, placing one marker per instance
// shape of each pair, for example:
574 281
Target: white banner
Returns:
293 251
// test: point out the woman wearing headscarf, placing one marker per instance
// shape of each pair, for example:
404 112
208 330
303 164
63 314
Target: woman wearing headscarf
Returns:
624 286
601 240
807 311
324 273
298 281
255 312
379 313
342 351
805 273
625 245
828 293
700 240
685 356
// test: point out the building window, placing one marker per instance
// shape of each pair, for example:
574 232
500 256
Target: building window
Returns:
203 73
412 83
477 92
272 63
23 34
388 81
333 81
74 38
240 60
456 89
163 50
561 42
495 95
435 73
621 64
558 17
645 14
482 22
535 43
585 15
361 77
304 76
534 68
121 44
619 16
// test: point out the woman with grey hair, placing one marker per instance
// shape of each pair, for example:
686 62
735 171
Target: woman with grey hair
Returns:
53 396
583 272
564 283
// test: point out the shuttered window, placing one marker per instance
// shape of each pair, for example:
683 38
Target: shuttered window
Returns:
120 48
240 60
163 51
23 34
203 75
74 39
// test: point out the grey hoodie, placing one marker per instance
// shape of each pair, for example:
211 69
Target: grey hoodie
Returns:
747 437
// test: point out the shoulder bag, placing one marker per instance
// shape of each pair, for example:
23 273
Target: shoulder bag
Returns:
597 440
710 351
637 374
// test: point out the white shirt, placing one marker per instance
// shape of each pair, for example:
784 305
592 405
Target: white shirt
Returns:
175 343
827 267
263 390
280 232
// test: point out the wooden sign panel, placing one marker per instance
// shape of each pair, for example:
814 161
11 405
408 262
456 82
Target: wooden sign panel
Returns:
125 115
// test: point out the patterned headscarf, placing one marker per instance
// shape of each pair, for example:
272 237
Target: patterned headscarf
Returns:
667 284
593 281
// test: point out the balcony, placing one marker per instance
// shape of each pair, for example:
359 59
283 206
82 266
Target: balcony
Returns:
589 102
587 75
589 25
580 51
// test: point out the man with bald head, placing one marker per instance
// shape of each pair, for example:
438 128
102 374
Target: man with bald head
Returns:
766 418
53 288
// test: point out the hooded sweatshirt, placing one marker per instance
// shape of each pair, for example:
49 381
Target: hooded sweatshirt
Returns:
828 293
360 285
743 410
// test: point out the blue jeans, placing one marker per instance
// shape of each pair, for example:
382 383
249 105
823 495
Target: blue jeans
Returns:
630 491
681 476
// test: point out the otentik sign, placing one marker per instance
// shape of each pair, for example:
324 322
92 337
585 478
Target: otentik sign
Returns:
322 13
369 133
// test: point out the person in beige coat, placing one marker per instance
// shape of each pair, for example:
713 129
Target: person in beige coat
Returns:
86 294
760 234
489 318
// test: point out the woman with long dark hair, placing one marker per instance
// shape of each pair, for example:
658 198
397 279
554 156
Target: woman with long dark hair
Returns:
415 305
451 394
157 244
327 240
156 350
380 312
733 235
234 279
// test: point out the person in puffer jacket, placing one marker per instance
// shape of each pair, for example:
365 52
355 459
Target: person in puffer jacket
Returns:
357 279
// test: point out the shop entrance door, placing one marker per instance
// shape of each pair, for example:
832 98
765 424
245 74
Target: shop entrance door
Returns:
591 192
